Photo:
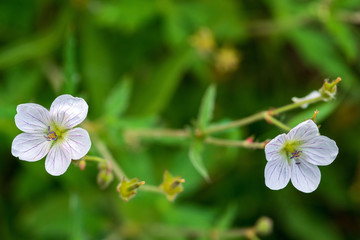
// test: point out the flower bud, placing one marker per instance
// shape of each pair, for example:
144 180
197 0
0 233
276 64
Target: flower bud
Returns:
328 90
127 189
82 164
171 186
104 178
264 226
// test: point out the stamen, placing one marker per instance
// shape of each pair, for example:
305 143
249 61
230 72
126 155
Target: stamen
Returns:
295 155
51 135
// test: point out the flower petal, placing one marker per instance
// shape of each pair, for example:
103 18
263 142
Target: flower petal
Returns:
313 94
305 176
68 111
32 118
272 149
78 141
304 131
277 173
58 159
320 150
30 147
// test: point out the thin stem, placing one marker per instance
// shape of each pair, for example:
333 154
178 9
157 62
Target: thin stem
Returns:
236 123
151 188
119 173
157 133
295 105
95 159
278 123
231 143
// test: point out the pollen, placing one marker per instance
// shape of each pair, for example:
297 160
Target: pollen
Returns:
295 154
51 135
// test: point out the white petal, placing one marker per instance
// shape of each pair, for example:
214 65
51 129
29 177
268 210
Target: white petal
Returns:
305 176
320 150
304 131
272 149
32 118
78 141
30 146
277 174
313 94
68 111
58 159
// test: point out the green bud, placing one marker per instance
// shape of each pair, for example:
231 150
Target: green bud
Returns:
82 164
171 186
264 226
104 178
127 189
328 90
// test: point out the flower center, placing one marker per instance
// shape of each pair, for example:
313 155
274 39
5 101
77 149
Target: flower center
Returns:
51 135
290 148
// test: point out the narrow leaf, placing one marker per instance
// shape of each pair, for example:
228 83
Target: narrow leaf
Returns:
70 64
195 155
118 100
207 107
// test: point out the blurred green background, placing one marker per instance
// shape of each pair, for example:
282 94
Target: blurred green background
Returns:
146 64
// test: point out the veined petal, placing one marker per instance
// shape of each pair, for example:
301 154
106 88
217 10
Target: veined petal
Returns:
313 94
32 118
58 159
304 131
30 147
277 174
305 176
68 111
320 150
272 149
78 141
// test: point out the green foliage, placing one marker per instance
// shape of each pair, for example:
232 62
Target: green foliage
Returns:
118 100
206 107
134 64
195 155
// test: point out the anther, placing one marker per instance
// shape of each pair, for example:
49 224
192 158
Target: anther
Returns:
51 135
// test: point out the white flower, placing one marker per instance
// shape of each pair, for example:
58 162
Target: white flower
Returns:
313 94
52 133
296 155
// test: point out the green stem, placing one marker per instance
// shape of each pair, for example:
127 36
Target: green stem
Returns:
119 173
158 133
151 188
295 105
278 123
95 159
231 143
236 123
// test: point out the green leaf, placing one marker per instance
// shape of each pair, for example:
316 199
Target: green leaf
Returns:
97 65
34 47
70 66
207 107
325 110
344 37
316 50
195 155
152 96
225 221
118 100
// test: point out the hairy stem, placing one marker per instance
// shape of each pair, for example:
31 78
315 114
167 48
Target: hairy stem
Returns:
232 143
277 123
119 173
